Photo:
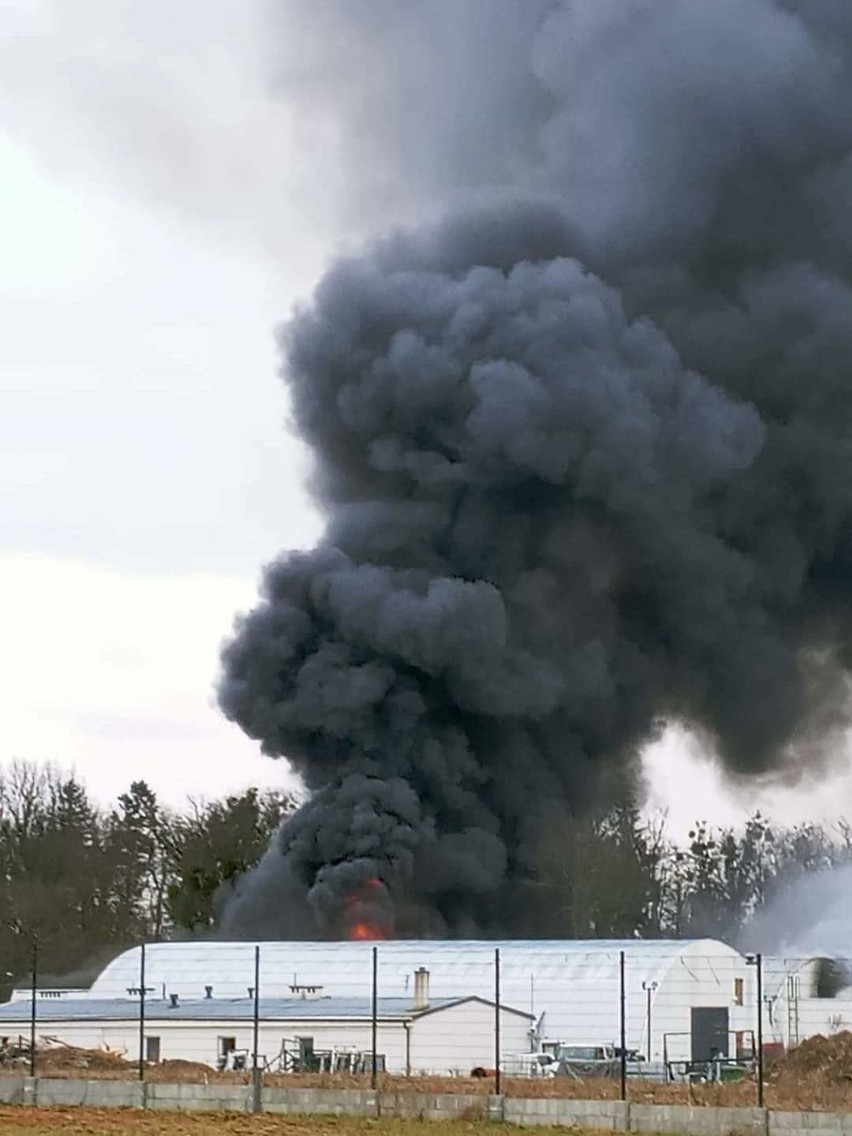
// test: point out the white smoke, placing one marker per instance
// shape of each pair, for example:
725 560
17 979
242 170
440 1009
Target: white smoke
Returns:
810 916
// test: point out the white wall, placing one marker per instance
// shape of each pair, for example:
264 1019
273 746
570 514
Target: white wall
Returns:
198 1041
789 1020
824 1015
457 1039
452 1040
587 1011
695 980
119 1036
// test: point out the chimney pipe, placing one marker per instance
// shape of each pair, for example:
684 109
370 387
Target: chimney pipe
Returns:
173 998
251 991
208 991
421 989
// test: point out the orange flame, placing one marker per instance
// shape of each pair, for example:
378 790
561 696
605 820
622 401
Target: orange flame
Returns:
357 926
366 931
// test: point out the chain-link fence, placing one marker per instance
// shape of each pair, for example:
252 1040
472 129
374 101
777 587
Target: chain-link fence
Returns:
645 1020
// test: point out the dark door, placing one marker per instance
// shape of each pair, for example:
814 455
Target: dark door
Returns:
709 1032
308 1062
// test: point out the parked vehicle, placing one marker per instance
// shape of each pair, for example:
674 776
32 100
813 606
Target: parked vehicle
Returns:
530 1065
582 1061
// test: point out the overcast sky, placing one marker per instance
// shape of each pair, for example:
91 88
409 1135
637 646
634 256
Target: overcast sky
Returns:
161 207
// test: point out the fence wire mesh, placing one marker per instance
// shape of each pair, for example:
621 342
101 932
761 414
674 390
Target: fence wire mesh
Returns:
645 1020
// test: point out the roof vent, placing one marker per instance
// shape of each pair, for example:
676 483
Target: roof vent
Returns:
173 1000
304 992
421 989
251 991
208 991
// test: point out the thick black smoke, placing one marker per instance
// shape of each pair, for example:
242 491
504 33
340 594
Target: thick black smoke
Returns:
585 449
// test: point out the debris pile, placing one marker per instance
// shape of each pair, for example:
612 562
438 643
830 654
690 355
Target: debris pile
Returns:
827 1059
14 1051
56 1056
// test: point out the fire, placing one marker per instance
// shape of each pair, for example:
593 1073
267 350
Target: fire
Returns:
358 923
366 931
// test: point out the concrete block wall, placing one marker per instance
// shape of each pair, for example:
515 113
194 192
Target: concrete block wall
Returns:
96 1094
11 1090
215 1098
440 1106
334 1102
696 1120
810 1123
608 1116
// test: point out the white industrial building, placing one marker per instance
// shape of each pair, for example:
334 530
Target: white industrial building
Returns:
683 1000
570 987
447 1037
803 997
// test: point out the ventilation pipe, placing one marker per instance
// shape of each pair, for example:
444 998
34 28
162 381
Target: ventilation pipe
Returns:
421 989
173 998
208 991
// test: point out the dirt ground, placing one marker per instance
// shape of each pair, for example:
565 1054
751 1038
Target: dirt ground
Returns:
122 1122
816 1075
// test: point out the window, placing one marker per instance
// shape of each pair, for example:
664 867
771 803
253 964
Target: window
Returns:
152 1049
226 1052
738 991
583 1053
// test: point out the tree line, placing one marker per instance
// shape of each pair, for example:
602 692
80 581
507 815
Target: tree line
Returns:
84 882
618 875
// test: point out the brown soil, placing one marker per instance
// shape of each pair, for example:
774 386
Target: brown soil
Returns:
79 1062
817 1075
828 1059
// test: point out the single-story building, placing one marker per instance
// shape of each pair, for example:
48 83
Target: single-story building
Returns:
682 1001
683 998
446 1036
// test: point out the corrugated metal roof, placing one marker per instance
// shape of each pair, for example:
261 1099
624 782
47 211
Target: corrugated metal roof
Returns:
457 967
217 1009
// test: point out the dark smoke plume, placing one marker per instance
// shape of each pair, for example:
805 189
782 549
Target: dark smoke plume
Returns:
584 448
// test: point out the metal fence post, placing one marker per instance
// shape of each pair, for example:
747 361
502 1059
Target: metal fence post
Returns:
375 1017
622 1005
142 1014
759 964
33 1011
255 1065
650 989
498 1083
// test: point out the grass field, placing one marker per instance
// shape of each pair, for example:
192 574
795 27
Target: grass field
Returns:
118 1122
